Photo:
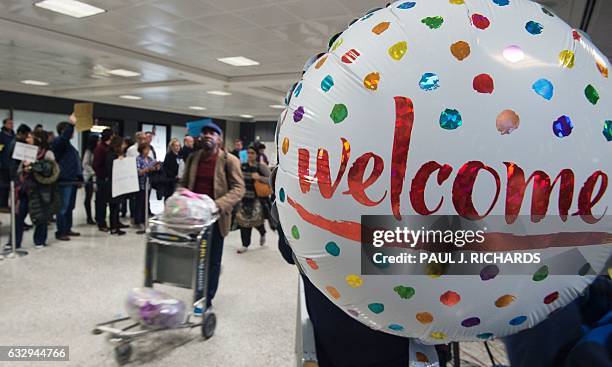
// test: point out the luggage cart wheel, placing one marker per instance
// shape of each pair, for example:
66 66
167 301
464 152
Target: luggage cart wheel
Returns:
96 331
123 352
209 324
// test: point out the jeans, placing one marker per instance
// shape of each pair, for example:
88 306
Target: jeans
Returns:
64 217
245 234
216 252
102 197
40 234
5 188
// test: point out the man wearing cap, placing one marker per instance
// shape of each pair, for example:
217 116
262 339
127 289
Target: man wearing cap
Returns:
212 171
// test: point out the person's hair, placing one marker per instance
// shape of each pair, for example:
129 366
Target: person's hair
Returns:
137 135
106 134
172 141
149 133
92 141
142 147
41 139
39 126
62 126
6 120
115 144
253 148
237 141
23 129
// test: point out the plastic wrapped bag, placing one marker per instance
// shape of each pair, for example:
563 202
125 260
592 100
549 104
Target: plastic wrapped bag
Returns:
155 309
185 206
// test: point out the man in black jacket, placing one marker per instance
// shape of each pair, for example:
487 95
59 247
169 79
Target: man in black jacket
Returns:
103 193
71 172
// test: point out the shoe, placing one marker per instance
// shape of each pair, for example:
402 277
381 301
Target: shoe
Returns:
63 237
74 234
103 229
121 225
242 250
118 232
91 221
262 240
197 311
8 247
38 247
141 231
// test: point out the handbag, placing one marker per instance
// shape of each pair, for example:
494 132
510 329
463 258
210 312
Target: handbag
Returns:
262 189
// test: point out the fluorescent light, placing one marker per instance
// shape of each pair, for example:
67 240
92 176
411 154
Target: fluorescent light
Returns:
247 116
197 108
124 73
34 82
127 96
278 106
98 128
71 8
219 93
238 61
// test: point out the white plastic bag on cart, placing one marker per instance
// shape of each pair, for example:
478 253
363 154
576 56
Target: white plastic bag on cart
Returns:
155 309
187 207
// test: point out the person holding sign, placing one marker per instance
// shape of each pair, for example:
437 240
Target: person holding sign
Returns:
145 164
115 151
71 172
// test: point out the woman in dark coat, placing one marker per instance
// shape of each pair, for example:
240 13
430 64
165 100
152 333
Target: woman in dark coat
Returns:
172 168
115 151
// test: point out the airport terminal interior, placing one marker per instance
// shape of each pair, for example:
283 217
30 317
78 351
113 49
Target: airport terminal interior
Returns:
98 83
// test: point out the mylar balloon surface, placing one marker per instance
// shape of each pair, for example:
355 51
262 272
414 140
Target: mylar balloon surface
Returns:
473 108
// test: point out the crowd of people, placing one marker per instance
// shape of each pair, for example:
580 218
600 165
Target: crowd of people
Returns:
46 189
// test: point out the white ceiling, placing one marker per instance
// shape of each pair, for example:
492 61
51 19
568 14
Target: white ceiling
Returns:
174 44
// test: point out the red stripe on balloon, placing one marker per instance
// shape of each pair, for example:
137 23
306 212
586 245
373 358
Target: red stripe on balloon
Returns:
494 241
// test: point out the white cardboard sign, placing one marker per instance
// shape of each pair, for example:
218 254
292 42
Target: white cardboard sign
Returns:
125 176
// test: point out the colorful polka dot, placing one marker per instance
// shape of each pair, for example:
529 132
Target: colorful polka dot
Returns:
339 113
321 62
483 83
450 298
353 313
517 320
354 281
333 292
332 248
407 5
507 121
285 146
371 81
433 22
501 2
337 44
295 232
396 327
434 270
551 298
429 82
457 2
534 28
576 36
547 12
437 335
540 274
281 195
566 59
544 88
489 272
376 307
297 90
398 50
563 126
461 50
404 292
480 21
313 264
298 114
421 357
380 28
470 322
602 68
424 318
350 56
591 94
505 301
607 130
450 119
327 83
485 336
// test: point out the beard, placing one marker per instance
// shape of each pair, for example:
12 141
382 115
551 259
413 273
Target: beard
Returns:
208 144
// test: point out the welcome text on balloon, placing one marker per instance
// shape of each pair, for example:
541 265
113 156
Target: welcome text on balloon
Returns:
591 192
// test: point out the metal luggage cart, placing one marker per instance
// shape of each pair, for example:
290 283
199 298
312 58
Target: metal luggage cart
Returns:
177 255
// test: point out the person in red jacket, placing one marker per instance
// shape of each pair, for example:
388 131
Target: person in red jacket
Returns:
102 179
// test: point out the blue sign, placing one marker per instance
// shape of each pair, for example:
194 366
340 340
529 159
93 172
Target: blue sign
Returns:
194 128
